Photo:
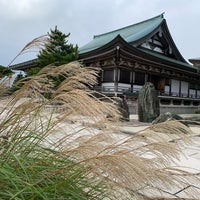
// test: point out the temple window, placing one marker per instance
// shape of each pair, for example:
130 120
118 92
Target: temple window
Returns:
108 75
124 76
139 78
192 86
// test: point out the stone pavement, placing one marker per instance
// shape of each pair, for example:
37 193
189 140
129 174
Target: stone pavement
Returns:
189 161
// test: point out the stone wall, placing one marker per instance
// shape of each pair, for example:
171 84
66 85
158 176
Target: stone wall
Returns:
133 109
179 109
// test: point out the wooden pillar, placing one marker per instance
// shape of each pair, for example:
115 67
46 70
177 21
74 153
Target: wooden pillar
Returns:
196 87
146 78
101 81
132 79
116 80
116 70
170 86
179 88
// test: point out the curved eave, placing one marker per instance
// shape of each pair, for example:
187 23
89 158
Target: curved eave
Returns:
25 65
169 61
95 44
171 42
163 26
134 53
151 56
117 41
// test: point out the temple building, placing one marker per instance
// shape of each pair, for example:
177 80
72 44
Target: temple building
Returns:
195 62
143 52
139 53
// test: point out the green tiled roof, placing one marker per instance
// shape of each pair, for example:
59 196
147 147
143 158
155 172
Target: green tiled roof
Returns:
129 34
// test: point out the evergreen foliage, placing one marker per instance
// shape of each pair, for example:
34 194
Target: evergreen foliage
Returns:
4 71
33 71
57 51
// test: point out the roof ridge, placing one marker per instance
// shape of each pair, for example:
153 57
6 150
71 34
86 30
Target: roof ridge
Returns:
158 16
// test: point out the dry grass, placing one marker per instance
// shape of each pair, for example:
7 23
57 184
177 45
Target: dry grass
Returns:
33 46
131 166
73 126
135 163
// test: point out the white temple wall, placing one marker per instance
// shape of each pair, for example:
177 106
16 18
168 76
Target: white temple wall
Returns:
184 88
192 93
198 93
136 88
167 89
108 87
174 87
123 87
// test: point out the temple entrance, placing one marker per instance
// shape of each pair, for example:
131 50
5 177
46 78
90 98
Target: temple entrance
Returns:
158 81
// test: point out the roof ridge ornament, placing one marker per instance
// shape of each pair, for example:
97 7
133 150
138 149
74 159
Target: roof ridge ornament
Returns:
162 14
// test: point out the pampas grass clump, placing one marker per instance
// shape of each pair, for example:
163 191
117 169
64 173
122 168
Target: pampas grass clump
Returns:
66 147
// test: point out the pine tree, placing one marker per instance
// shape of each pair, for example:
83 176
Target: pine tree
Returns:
57 51
5 71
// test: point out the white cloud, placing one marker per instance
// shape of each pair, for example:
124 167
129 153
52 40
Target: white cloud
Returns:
23 20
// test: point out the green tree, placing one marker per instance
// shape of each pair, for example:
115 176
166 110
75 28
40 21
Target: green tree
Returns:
33 71
4 71
57 51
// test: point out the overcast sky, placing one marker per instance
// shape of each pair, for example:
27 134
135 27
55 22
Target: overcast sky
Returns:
24 20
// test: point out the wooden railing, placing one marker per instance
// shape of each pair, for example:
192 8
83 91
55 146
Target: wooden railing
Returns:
111 89
128 90
177 94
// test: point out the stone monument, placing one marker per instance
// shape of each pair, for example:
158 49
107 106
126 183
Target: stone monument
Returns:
148 104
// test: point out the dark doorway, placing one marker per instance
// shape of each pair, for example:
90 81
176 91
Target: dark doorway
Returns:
158 81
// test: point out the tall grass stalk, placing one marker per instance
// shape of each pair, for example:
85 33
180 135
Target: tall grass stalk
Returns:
33 46
67 147
30 169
